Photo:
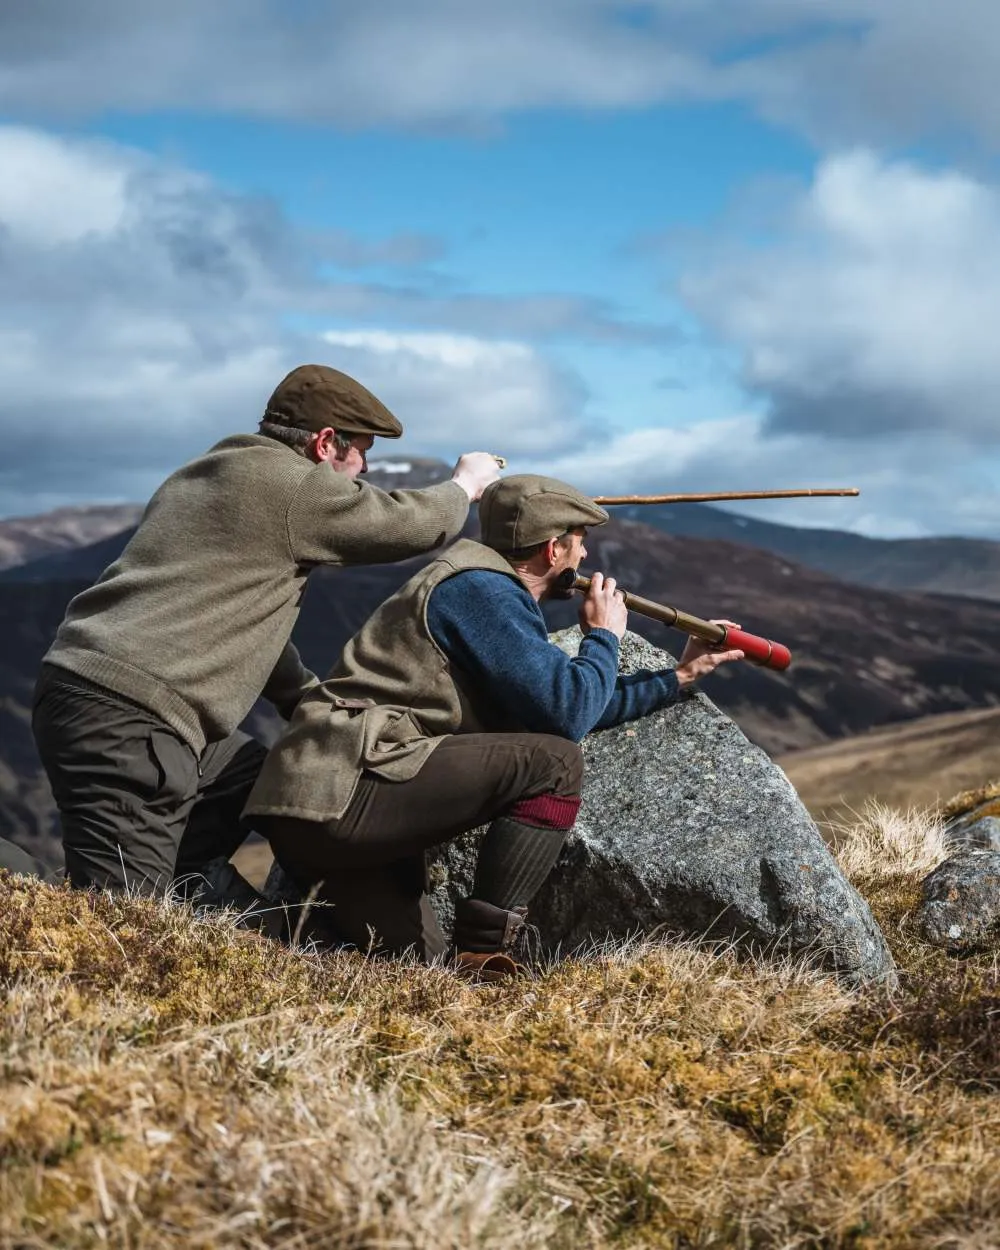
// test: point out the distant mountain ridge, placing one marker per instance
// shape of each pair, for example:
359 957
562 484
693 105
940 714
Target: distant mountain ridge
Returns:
948 566
24 539
969 567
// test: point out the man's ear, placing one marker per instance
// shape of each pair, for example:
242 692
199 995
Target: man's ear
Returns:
552 552
321 446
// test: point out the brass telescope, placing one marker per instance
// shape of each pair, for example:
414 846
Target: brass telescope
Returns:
760 651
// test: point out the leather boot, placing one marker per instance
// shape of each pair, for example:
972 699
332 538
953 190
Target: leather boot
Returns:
217 886
483 936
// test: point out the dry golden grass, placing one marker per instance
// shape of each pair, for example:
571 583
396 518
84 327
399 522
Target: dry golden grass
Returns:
174 1082
884 844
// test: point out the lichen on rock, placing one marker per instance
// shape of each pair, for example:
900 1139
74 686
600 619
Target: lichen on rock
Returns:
960 907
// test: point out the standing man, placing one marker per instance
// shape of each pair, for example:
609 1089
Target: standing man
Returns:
155 665
451 709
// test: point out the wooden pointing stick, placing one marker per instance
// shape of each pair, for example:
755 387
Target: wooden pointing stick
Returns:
715 498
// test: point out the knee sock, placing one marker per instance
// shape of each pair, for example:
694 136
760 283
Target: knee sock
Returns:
517 854
514 861
520 849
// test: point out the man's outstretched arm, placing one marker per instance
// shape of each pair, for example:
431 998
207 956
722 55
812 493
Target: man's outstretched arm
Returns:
337 520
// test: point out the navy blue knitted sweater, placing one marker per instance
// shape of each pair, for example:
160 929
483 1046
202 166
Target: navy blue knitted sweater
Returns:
491 628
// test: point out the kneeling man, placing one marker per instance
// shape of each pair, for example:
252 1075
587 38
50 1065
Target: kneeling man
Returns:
451 709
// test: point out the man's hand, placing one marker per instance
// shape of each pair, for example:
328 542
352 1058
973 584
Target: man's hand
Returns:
700 658
603 607
474 472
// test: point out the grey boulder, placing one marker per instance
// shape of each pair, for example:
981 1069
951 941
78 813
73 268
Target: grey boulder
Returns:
686 826
960 903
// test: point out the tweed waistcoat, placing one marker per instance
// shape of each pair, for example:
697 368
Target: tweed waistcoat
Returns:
385 706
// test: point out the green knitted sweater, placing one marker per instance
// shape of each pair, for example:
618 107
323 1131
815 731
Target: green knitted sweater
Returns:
193 620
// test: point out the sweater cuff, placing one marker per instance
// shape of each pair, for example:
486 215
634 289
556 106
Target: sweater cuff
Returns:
605 636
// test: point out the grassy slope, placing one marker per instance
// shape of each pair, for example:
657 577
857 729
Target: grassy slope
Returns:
169 1082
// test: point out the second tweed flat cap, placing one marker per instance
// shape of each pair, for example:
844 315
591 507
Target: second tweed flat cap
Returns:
524 509
313 397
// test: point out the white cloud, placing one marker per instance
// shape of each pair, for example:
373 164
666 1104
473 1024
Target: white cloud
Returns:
51 193
652 460
442 60
142 317
535 316
844 71
139 316
909 488
874 311
454 351
455 391
848 71
862 320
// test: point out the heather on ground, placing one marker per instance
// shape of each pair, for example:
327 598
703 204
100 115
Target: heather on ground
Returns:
168 1081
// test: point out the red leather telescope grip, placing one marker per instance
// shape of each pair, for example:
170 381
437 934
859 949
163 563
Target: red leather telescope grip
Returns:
758 650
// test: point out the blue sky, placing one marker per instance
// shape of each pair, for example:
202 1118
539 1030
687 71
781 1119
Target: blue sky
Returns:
683 244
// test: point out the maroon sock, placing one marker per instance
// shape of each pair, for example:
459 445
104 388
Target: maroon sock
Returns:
546 811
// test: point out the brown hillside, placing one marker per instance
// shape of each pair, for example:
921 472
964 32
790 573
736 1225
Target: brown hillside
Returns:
915 764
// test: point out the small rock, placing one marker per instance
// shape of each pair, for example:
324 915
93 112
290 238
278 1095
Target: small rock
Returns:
960 908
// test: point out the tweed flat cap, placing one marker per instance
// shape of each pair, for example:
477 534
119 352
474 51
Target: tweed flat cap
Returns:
524 509
313 397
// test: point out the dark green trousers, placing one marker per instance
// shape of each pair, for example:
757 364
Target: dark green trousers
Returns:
366 870
139 809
